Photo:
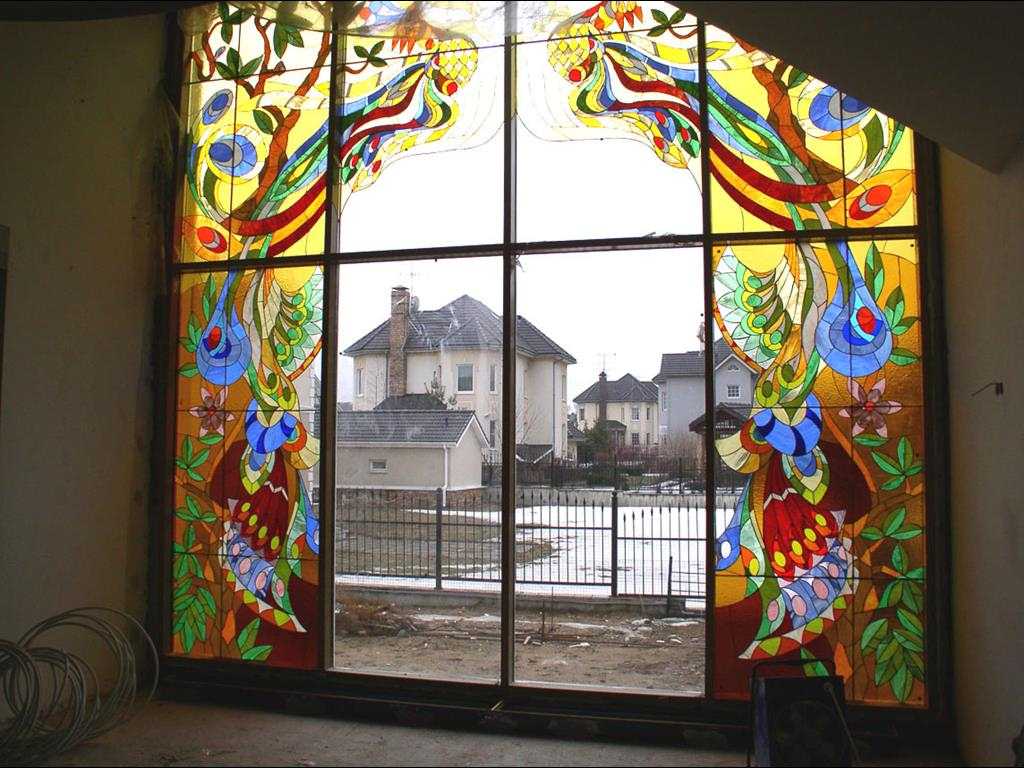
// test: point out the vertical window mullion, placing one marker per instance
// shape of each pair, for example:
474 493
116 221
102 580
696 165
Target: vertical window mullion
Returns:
329 369
709 369
508 391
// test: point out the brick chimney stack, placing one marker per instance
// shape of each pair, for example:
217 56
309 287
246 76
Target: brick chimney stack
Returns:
602 397
397 336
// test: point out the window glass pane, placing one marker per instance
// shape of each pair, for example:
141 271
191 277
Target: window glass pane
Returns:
465 378
615 522
256 146
822 552
409 97
609 127
246 532
789 152
408 600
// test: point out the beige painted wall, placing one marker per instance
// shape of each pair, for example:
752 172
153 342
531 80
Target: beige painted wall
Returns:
535 398
79 134
407 467
623 412
983 234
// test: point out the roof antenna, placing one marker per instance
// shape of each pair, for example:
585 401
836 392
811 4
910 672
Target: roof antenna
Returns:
604 360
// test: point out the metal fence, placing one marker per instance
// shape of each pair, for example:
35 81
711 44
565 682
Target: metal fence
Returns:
573 542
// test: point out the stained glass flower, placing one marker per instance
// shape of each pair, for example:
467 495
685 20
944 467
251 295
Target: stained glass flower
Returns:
869 409
211 413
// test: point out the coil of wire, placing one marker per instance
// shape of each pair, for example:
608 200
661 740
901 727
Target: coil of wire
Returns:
55 698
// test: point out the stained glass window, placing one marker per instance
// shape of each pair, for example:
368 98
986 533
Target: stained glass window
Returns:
311 131
246 534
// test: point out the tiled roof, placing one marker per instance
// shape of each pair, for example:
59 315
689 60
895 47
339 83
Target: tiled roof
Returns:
734 411
574 432
461 324
412 402
431 426
628 389
690 363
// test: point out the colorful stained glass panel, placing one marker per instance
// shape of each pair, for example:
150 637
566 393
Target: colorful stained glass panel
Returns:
246 457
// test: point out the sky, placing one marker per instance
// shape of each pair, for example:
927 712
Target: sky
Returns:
621 309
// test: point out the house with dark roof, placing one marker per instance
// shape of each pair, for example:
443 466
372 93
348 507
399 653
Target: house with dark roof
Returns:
681 389
410 449
455 351
628 406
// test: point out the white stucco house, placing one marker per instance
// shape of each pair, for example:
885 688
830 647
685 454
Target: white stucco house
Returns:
681 389
628 402
407 448
457 348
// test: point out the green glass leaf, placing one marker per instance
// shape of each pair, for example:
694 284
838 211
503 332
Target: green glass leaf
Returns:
263 121
377 62
901 684
894 520
200 458
377 47
190 537
247 636
207 601
657 31
188 637
899 558
891 485
659 16
910 621
211 438
188 370
908 533
873 633
186 449
908 640
900 356
361 52
257 653
872 441
904 452
280 39
223 11
915 663
891 594
250 67
195 475
886 464
915 469
871 533
232 59
226 32
916 573
183 602
227 73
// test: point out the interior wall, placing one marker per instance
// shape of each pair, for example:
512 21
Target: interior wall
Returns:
80 134
983 231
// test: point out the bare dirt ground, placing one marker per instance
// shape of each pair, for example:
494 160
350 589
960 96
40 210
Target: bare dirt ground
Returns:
567 648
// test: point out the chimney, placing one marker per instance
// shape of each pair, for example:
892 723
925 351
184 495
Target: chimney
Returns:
397 336
602 397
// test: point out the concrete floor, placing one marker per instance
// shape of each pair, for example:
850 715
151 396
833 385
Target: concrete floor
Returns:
172 733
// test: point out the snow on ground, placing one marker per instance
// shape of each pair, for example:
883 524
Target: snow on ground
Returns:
651 539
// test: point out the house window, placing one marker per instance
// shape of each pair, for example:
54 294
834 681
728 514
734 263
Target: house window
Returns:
582 416
565 388
378 466
647 438
648 413
622 412
634 412
635 438
492 432
494 379
783 154
464 377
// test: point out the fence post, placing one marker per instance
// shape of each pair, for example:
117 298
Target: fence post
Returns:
668 590
680 475
439 507
615 543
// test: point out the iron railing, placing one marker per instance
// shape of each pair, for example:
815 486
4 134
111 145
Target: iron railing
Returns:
573 542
